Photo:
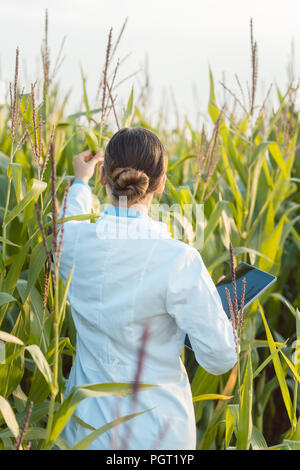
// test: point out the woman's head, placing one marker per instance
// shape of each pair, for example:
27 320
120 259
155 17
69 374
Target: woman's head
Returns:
135 164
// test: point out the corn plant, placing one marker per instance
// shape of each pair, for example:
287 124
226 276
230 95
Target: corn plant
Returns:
245 172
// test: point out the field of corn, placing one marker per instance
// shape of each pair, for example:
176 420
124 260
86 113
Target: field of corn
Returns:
245 168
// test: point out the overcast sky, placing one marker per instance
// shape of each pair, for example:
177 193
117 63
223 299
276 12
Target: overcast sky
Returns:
181 39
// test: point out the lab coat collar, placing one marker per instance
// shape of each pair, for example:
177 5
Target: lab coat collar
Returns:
136 223
120 211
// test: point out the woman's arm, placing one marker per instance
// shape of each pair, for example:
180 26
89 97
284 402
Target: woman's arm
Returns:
80 196
79 202
195 304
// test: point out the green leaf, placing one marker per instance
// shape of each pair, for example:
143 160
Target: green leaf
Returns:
214 219
212 396
15 172
20 400
284 301
41 363
64 125
91 141
16 268
78 394
232 418
270 245
129 112
297 350
83 113
35 433
9 416
36 263
86 441
8 242
258 159
257 440
291 366
259 149
266 361
211 429
40 328
212 108
236 251
292 445
276 154
203 382
278 368
234 188
279 447
4 162
6 298
287 228
83 423
36 188
8 338
38 412
180 161
85 97
65 294
245 415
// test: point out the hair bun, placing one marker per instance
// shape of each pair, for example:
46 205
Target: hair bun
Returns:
129 182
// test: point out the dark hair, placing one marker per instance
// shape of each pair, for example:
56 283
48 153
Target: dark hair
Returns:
134 163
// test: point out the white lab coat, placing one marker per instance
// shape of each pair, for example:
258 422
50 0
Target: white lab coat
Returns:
119 282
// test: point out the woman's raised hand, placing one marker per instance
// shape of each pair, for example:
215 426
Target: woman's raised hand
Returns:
84 164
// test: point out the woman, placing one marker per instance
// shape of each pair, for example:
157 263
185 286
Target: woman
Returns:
129 271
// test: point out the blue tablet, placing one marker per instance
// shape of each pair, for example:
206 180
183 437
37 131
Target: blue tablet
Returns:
257 281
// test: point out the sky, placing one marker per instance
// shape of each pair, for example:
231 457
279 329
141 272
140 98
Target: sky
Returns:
178 39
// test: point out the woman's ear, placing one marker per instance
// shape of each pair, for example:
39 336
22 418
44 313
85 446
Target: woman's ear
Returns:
102 176
161 186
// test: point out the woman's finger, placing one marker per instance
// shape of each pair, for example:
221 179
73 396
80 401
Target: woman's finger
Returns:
100 152
84 156
99 156
96 159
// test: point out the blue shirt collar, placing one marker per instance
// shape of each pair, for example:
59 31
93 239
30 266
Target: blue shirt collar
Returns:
123 211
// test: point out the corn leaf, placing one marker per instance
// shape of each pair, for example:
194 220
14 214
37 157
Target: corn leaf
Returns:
88 440
278 368
85 97
258 441
211 396
41 363
78 394
6 298
91 140
232 417
36 187
129 112
245 415
9 416
8 338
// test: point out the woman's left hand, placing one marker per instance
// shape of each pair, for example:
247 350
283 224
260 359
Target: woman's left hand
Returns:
84 164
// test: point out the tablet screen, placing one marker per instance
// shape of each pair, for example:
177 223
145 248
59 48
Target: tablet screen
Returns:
256 282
